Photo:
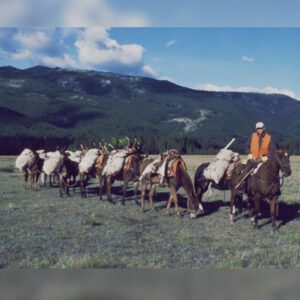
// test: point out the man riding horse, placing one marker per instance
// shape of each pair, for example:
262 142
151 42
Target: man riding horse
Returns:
264 164
260 145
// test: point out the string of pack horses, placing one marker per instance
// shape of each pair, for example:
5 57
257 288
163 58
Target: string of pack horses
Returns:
259 176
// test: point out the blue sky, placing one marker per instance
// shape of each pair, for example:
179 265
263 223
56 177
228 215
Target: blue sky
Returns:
241 59
222 13
113 13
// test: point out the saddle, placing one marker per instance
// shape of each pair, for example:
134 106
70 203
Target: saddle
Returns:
173 165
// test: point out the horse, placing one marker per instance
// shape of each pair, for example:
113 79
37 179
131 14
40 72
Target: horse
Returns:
201 184
67 169
180 178
34 169
264 183
100 164
129 172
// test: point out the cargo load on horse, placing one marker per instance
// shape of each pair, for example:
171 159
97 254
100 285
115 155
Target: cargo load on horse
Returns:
224 162
163 166
88 161
115 162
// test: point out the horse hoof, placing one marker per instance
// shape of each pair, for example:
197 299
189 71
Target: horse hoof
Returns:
193 215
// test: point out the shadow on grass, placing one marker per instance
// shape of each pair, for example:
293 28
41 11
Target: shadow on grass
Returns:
213 206
287 213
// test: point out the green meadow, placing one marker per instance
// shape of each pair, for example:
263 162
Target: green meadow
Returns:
38 229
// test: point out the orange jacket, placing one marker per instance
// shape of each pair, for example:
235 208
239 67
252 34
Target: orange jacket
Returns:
258 150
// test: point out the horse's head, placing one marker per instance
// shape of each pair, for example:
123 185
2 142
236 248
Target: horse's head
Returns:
283 160
62 161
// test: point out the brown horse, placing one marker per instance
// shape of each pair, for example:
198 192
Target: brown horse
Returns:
101 161
34 169
179 178
129 173
67 170
265 183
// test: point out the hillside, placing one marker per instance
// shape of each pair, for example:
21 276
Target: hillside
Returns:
41 107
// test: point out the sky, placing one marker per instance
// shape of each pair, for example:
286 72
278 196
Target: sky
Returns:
239 45
228 59
170 13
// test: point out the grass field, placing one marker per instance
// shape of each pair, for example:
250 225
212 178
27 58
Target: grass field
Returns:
40 230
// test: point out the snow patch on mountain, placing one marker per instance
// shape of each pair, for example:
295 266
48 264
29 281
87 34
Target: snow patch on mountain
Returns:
192 124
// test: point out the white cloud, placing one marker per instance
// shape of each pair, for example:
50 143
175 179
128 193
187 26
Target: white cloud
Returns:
66 61
247 58
166 78
148 70
67 13
21 55
92 12
170 43
96 49
92 48
32 40
246 89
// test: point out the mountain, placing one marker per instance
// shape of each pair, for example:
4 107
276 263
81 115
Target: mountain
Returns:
42 107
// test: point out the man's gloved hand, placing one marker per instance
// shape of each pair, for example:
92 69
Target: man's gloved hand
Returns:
250 156
264 159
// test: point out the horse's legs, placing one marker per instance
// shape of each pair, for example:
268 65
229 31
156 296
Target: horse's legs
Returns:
169 203
256 210
50 179
74 184
125 186
108 189
31 180
232 199
151 193
250 206
143 193
201 188
61 187
175 198
176 204
273 209
67 189
82 185
136 190
36 181
100 185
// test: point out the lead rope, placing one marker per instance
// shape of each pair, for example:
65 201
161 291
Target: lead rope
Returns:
68 185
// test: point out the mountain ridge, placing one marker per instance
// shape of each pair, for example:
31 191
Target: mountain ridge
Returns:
85 106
